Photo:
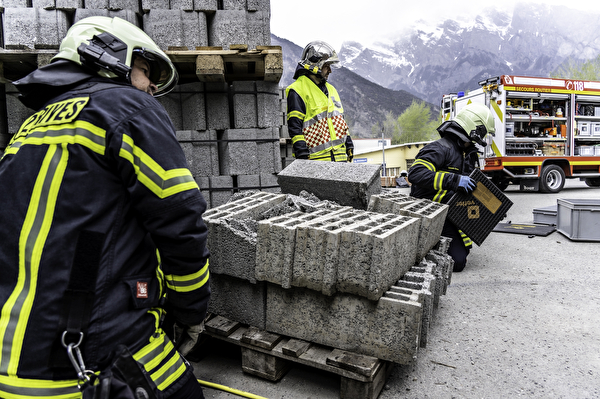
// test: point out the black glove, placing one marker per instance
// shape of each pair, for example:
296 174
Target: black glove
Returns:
350 154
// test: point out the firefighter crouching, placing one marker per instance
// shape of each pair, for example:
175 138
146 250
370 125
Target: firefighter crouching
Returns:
314 110
102 226
442 167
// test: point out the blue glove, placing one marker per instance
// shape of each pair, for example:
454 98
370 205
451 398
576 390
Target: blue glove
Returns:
467 184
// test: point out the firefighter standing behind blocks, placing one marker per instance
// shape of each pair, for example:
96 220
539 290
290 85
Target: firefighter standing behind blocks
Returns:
314 110
442 167
102 229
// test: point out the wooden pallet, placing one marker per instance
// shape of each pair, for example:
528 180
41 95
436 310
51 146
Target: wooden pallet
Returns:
206 64
213 64
269 356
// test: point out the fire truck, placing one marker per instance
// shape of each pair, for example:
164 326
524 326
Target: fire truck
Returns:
547 130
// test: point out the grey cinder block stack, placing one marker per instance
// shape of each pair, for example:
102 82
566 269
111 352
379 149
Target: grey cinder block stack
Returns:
325 273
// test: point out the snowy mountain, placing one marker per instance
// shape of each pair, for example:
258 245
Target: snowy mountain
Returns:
430 61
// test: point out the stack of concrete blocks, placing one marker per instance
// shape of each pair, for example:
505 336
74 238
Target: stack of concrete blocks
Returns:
431 214
325 293
229 131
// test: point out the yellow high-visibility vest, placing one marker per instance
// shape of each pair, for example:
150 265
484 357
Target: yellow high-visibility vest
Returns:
324 128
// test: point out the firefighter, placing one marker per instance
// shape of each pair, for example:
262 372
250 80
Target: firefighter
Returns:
102 231
442 168
314 110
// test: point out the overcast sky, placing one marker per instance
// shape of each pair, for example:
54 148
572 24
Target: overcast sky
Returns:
365 21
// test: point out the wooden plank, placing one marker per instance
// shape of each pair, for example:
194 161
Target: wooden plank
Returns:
361 364
210 68
295 347
263 365
221 326
353 389
260 338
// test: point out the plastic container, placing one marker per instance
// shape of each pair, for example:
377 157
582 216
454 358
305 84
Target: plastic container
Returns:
546 215
579 219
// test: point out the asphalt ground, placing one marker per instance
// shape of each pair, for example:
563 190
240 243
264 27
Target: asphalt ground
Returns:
521 321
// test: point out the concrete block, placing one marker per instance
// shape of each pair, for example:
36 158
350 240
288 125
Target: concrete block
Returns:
193 106
34 28
233 247
172 104
12 4
239 154
267 104
268 183
176 28
258 28
387 329
268 151
244 105
433 217
45 4
203 183
201 152
424 273
217 106
113 5
221 189
251 207
390 201
206 5
248 183
425 290
186 5
349 184
234 5
70 5
258 5
16 112
127 15
228 27
444 267
148 5
238 300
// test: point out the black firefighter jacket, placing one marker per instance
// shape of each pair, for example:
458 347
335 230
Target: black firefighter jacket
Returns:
96 184
437 169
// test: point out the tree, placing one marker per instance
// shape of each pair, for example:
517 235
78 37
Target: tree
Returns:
588 70
390 126
415 124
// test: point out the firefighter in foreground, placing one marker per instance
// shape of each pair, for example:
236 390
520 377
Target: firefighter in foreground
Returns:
442 167
314 110
102 229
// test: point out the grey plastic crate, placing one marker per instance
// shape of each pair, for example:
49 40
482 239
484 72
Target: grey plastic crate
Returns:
546 215
579 219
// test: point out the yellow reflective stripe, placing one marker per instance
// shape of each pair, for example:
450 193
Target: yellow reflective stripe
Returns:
440 195
155 353
33 235
332 134
188 282
438 180
496 149
298 137
428 165
21 388
498 111
163 183
78 132
168 373
296 114
466 240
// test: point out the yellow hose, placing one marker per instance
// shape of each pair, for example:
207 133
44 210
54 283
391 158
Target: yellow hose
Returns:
231 390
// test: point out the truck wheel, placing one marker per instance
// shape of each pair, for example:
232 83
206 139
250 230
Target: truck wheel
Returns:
552 179
592 182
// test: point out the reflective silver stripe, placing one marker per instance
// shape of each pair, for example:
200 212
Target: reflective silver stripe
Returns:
318 117
324 146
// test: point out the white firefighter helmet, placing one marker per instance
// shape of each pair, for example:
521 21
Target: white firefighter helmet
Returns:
477 121
317 54
108 45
